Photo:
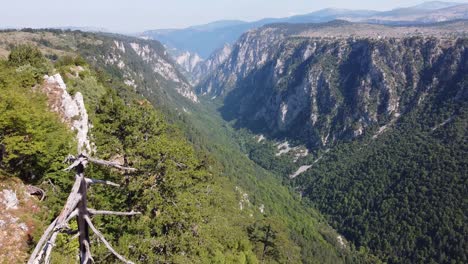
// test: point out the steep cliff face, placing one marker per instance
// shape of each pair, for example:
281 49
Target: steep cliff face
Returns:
196 69
188 60
204 68
322 90
144 65
252 50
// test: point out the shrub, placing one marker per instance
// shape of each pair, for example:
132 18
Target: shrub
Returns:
26 54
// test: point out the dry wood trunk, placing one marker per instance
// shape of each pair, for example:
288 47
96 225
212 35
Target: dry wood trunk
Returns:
76 205
83 227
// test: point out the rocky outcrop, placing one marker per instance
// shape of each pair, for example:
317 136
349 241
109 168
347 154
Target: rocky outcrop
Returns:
16 221
71 109
10 201
322 90
144 65
164 68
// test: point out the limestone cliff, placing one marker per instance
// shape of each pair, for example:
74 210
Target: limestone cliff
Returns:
281 81
71 109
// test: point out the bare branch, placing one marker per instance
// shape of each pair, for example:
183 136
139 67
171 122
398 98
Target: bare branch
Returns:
69 158
75 206
34 258
75 236
74 164
82 159
94 181
71 232
50 244
105 241
88 255
51 184
181 165
96 212
72 201
70 216
70 205
110 164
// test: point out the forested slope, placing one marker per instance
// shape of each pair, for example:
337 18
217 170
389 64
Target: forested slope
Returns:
201 201
402 194
188 214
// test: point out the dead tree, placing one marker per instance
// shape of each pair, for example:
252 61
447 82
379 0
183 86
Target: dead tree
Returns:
76 207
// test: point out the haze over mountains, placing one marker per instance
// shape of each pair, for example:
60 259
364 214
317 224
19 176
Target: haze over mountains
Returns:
205 39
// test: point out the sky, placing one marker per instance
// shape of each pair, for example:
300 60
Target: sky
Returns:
138 15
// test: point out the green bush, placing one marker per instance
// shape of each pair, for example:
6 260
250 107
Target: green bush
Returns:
34 139
26 54
70 61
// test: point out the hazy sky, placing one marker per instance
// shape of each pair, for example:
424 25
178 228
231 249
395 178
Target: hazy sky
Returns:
138 15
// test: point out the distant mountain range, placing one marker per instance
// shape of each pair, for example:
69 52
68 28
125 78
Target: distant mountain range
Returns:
205 39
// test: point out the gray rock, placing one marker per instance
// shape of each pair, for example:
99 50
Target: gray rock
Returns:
10 200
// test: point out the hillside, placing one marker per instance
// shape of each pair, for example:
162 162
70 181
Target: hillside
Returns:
202 201
141 64
382 111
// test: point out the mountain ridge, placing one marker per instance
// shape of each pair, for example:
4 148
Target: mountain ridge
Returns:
283 54
214 38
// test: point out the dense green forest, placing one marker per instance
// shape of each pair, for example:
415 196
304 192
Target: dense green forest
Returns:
34 141
402 195
305 225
